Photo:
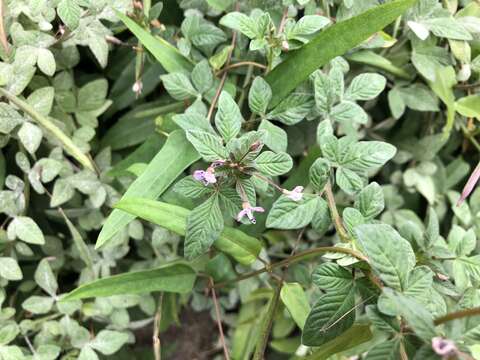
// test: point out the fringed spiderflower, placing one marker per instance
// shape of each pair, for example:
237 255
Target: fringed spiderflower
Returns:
444 347
248 210
296 194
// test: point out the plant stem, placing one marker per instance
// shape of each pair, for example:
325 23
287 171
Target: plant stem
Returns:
3 35
337 220
222 81
68 144
219 319
292 260
156 329
240 64
267 323
470 137
457 315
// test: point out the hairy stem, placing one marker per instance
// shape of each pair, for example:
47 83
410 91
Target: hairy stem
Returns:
457 315
240 64
219 320
337 220
3 34
294 259
267 323
156 329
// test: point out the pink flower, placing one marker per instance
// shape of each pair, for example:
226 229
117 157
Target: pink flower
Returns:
443 347
470 185
296 194
207 177
137 87
248 210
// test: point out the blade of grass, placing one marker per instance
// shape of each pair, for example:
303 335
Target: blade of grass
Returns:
45 122
176 278
166 54
234 242
334 41
174 157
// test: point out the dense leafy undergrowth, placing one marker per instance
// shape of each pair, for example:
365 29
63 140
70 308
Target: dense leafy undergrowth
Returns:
239 179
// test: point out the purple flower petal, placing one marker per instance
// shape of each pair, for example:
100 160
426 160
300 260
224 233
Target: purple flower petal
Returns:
470 185
199 175
241 214
210 177
443 347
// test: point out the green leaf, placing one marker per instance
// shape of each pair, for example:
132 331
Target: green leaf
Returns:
234 242
220 58
228 119
319 174
27 230
370 201
296 301
259 96
416 315
442 86
176 278
9 269
469 106
45 278
191 188
432 231
391 256
388 350
8 333
108 342
92 95
308 24
38 304
273 164
174 157
275 137
167 55
202 76
67 143
368 155
31 136
348 180
41 100
292 109
371 58
178 86
69 12
240 22
332 315
80 244
209 146
349 113
332 277
365 87
46 62
289 214
332 42
204 225
353 337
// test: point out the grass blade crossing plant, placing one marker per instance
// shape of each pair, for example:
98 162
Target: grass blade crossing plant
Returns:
67 143
174 157
334 41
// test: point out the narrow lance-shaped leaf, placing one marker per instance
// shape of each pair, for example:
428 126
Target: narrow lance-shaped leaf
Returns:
176 155
167 55
67 143
177 278
333 41
234 242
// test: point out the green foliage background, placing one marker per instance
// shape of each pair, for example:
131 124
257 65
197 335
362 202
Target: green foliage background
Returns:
348 128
